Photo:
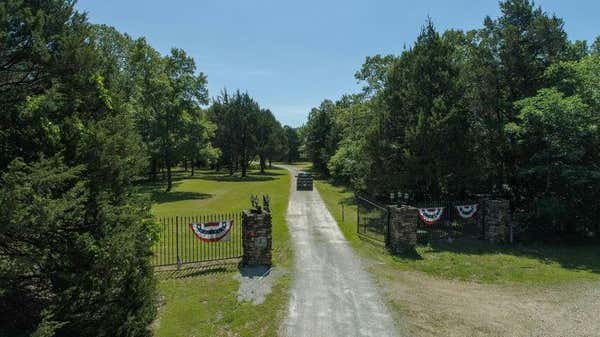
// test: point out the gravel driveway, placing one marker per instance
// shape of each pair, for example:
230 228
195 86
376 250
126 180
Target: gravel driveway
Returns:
332 295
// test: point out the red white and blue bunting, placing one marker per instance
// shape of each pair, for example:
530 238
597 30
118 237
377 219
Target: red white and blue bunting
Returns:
212 231
431 215
467 211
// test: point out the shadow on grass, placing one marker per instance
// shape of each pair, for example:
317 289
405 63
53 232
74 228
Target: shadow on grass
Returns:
196 270
254 271
162 197
235 178
576 257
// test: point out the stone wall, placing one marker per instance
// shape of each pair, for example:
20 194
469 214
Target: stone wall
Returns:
497 219
256 238
403 229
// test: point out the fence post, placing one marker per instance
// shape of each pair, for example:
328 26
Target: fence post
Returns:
357 216
177 241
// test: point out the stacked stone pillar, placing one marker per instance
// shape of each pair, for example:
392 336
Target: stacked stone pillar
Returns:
403 229
496 219
256 238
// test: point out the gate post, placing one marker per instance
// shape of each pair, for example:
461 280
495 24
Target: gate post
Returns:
497 219
402 229
256 237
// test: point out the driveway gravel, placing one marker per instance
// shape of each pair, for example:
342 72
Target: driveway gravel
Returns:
332 294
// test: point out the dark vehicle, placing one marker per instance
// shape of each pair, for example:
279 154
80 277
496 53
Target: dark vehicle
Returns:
304 182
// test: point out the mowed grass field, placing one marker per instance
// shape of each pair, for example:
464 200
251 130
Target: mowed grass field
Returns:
203 302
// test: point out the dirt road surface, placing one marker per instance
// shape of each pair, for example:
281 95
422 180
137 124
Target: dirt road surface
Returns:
332 294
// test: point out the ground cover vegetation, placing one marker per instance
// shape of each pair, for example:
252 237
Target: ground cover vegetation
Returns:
509 109
203 301
86 113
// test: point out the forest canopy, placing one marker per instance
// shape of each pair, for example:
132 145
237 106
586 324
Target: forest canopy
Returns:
87 113
510 109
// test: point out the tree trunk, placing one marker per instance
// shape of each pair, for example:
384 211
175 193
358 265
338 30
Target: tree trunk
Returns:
185 164
193 162
262 164
244 164
270 163
169 181
154 174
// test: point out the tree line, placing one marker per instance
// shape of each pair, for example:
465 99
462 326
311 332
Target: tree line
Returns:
85 113
511 109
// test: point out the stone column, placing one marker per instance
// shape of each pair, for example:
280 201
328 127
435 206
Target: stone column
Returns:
403 229
497 219
256 238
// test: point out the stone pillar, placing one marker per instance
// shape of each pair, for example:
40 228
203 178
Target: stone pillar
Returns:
256 238
497 219
403 229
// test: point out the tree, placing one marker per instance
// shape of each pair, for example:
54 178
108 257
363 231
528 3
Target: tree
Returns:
558 141
186 91
266 137
320 136
237 118
427 124
75 238
292 144
374 73
509 57
197 132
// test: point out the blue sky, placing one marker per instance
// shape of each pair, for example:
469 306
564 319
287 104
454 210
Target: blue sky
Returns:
290 55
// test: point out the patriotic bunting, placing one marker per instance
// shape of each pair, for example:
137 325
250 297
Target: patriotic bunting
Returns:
212 231
467 211
431 215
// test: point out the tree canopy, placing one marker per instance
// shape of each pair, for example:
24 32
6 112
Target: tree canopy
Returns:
86 114
510 109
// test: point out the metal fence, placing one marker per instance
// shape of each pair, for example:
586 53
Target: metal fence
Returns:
372 219
450 225
178 245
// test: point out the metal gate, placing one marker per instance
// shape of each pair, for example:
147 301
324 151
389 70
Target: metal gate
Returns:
372 219
178 245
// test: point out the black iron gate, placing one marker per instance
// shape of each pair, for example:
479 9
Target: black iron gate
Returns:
372 219
178 245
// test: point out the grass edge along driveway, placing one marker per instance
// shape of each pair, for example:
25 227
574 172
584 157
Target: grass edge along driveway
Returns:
204 302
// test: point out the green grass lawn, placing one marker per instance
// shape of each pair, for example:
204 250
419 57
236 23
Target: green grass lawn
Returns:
473 261
203 302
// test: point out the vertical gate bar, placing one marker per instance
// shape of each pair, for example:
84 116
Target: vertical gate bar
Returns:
204 249
201 252
194 242
177 239
166 240
186 246
220 242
